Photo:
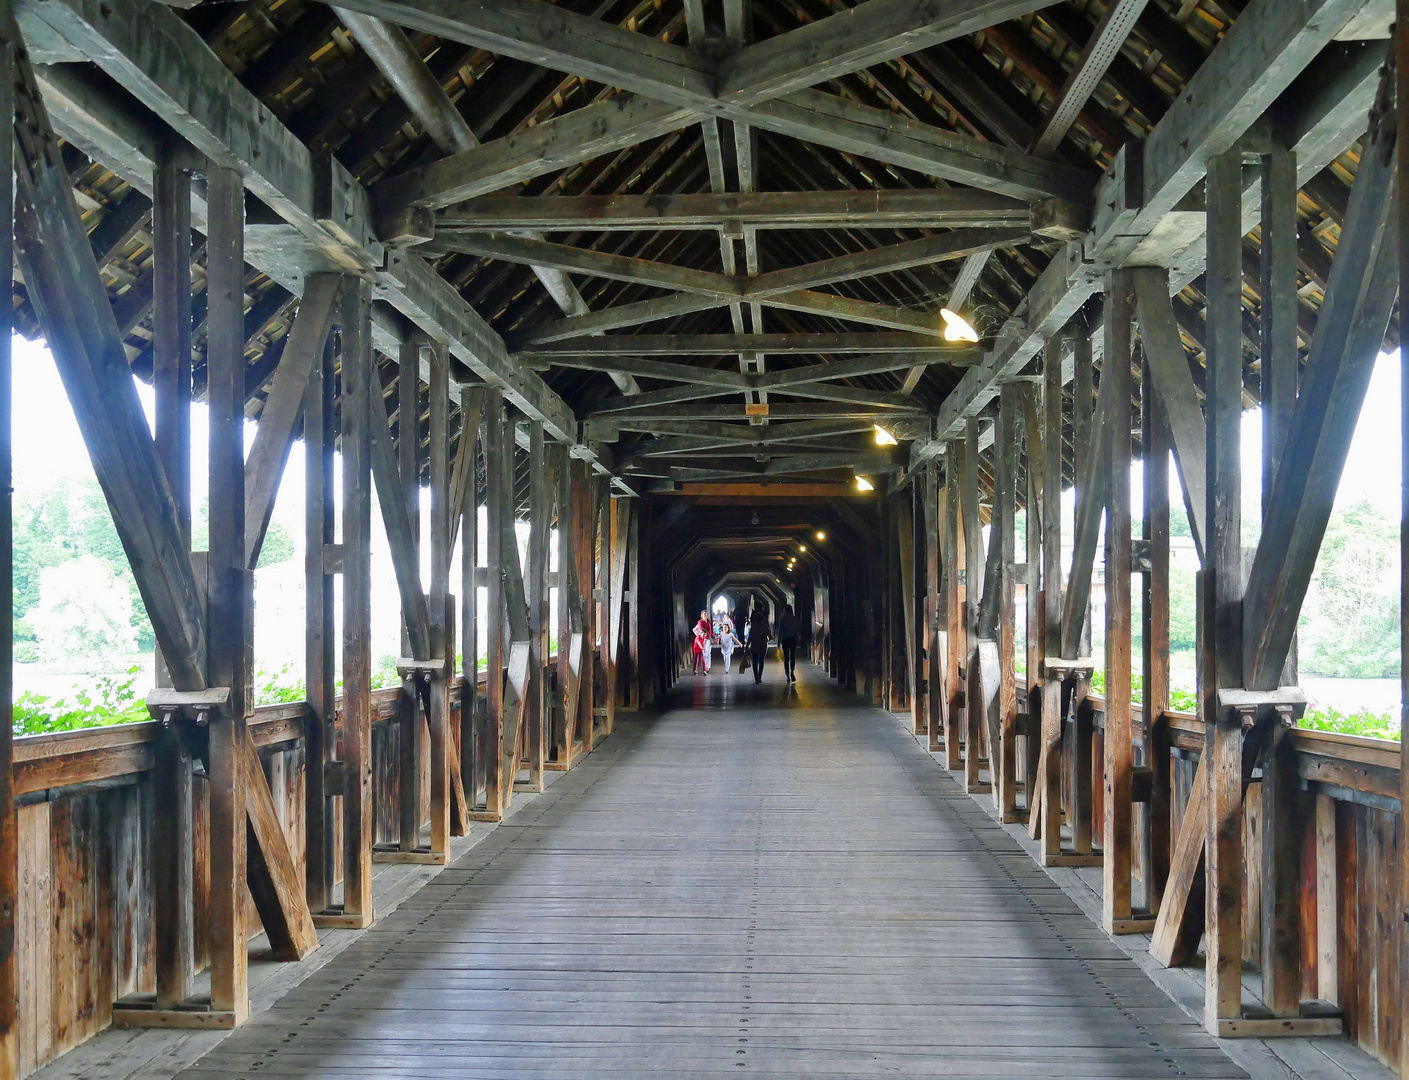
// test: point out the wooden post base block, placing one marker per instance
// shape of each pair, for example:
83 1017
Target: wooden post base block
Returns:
337 920
555 766
1270 1027
421 856
205 1019
486 815
531 786
1070 859
1136 925
1015 817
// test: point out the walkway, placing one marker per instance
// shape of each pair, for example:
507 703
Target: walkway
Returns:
760 882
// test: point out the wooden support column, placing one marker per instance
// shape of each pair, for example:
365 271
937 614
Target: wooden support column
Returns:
633 605
442 801
1221 610
1283 811
9 823
905 542
490 739
974 711
1401 167
599 551
1005 456
321 562
1154 640
360 395
411 724
230 600
1047 821
1089 498
953 604
1117 833
585 549
621 511
935 612
1032 429
173 843
471 705
515 632
535 715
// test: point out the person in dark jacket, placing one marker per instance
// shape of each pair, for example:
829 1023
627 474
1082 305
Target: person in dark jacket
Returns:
758 641
787 642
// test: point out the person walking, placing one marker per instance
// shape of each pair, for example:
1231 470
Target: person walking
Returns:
758 641
787 642
728 642
702 645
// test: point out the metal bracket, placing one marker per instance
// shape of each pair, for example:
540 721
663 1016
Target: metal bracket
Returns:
166 704
1081 667
1288 702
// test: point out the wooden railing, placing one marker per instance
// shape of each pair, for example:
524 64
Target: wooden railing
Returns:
1347 830
84 799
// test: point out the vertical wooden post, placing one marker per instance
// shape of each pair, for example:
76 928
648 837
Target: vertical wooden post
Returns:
9 824
1049 769
1032 427
560 750
633 604
1005 451
408 442
1154 639
230 600
319 634
1280 791
491 740
1117 832
973 596
1221 613
173 879
953 603
598 551
535 715
442 637
1077 737
621 512
935 613
360 392
1401 50
584 549
471 410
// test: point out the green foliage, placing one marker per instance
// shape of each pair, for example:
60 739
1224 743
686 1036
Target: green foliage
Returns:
58 526
278 545
385 675
1183 614
280 687
112 701
1349 626
1364 722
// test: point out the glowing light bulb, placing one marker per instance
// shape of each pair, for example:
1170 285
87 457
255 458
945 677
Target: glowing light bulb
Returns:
884 437
956 327
802 547
862 484
821 536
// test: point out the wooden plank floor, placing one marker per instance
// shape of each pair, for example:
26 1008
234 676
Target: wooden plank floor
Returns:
759 882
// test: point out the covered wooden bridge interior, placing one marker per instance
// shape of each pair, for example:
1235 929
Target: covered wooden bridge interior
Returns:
675 282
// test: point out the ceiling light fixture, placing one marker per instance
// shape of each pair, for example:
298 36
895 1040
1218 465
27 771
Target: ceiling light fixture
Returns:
821 536
956 327
862 484
883 437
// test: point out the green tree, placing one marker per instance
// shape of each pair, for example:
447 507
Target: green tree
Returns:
278 545
57 526
1349 626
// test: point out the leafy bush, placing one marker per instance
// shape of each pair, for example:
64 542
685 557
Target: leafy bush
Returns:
281 687
113 701
1364 722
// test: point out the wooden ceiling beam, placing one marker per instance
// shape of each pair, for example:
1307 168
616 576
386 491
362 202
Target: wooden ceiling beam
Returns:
771 344
950 208
1252 65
